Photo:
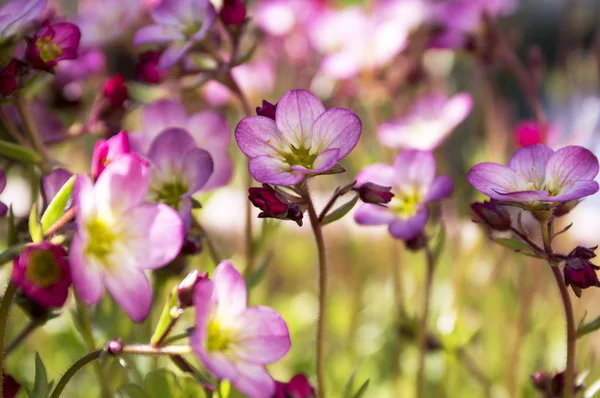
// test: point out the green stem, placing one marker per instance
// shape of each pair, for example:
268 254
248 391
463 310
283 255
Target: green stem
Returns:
38 145
12 129
568 307
80 363
146 349
5 305
30 328
88 337
422 338
321 322
212 250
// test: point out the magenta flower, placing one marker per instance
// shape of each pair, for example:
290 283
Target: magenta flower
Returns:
428 123
42 273
209 129
179 169
538 174
106 151
16 14
119 236
180 24
3 206
303 140
414 184
232 341
53 43
297 387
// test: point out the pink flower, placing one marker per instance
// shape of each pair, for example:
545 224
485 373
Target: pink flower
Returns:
16 14
538 174
115 91
106 151
42 272
53 43
529 133
232 341
415 185
303 140
428 122
119 236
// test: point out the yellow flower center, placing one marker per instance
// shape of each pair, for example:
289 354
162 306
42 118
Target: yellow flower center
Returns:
219 338
406 203
300 156
101 239
170 193
49 50
43 269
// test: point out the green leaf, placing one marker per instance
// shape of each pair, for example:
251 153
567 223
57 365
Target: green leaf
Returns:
41 388
244 58
190 388
518 246
19 152
11 237
440 242
349 386
166 316
340 211
588 327
131 391
10 253
35 228
57 207
258 274
362 390
160 384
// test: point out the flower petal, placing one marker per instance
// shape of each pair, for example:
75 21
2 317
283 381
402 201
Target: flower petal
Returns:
576 190
230 291
407 229
368 214
160 115
336 128
222 170
326 160
270 170
156 235
210 129
378 173
263 336
254 381
52 183
85 273
85 200
415 168
259 135
530 162
441 187
173 54
570 164
131 289
203 303
218 364
156 34
493 179
296 112
168 150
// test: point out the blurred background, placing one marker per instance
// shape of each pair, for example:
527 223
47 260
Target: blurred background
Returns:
496 316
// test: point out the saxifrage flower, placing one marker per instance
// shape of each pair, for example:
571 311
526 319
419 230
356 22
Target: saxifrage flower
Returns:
119 236
538 174
53 43
232 341
414 184
303 140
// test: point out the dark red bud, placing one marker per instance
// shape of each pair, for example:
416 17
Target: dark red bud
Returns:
10 387
115 91
233 12
274 204
185 289
583 252
297 387
375 194
565 208
9 76
267 110
580 274
491 214
147 69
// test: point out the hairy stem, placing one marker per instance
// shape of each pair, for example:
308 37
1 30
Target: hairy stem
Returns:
422 337
568 307
318 232
146 349
5 305
30 328
79 364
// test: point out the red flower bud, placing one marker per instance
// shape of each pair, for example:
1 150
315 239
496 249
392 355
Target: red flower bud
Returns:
9 76
297 387
529 133
492 215
554 384
274 204
375 194
233 12
115 91
10 387
267 110
580 274
147 69
185 289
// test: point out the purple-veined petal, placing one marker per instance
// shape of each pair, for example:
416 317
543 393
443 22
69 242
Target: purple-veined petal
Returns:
410 228
52 183
172 12
336 128
326 160
160 115
296 112
131 289
230 291
86 274
270 170
258 135
570 164
203 304
493 179
530 163
157 34
521 196
441 187
67 37
377 173
263 336
254 381
368 214
155 234
576 190
197 168
415 168
122 185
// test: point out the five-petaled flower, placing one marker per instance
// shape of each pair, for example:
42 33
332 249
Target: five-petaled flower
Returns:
53 43
119 236
42 273
232 341
303 140
180 24
415 185
538 174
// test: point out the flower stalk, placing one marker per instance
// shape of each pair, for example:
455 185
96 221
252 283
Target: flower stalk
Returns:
422 337
5 305
79 364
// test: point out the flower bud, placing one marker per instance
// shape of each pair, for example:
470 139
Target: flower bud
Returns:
580 274
115 91
10 387
106 151
267 110
185 289
491 214
9 75
554 384
297 387
147 69
416 244
42 273
529 133
233 12
583 252
114 347
375 194
274 205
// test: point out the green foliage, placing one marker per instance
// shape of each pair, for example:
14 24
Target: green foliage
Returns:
19 152
163 383
35 228
57 207
41 386
518 246
340 211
